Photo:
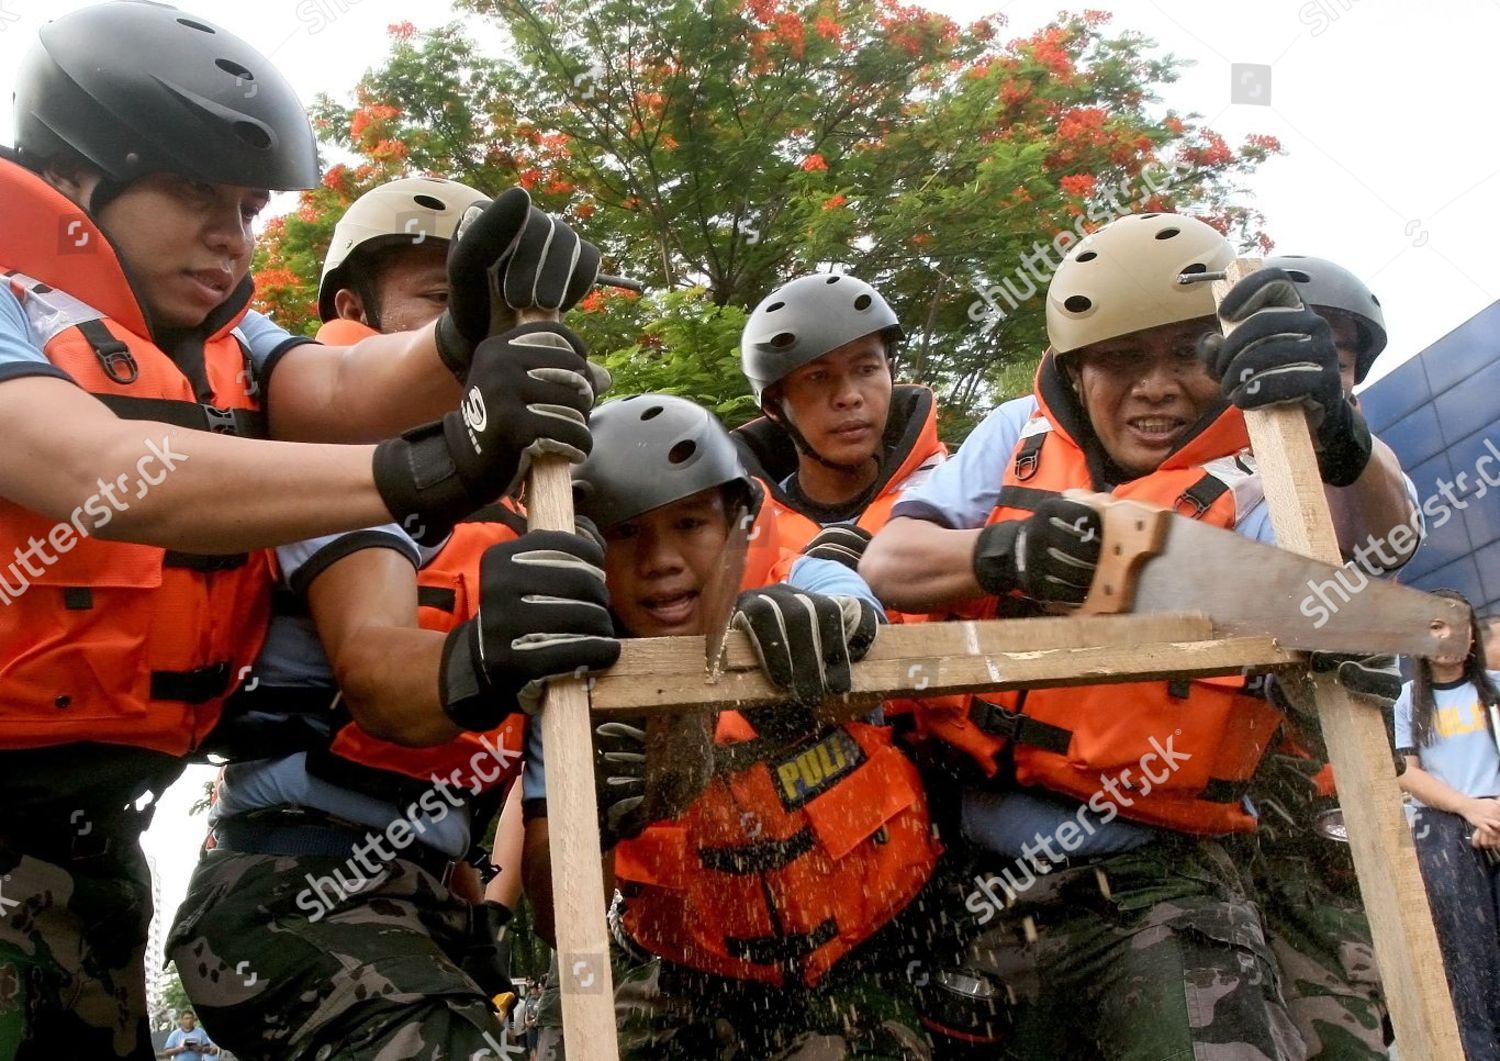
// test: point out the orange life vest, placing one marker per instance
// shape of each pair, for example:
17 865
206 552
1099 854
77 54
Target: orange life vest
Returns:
910 436
1206 735
447 595
117 642
793 856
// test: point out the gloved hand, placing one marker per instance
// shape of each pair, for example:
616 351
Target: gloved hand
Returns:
543 613
620 781
1050 556
1376 678
806 641
843 542
508 256
530 391
1281 351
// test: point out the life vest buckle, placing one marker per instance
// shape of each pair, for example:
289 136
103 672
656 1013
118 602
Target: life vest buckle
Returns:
1190 505
221 421
119 365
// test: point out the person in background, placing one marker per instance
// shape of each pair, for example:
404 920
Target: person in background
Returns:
1445 727
188 1042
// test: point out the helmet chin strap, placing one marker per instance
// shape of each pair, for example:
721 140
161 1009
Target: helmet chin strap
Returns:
805 447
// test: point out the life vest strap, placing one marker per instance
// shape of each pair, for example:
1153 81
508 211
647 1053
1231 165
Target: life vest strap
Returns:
114 356
1023 497
761 857
787 949
205 561
192 686
444 600
195 416
1199 498
1018 728
1029 455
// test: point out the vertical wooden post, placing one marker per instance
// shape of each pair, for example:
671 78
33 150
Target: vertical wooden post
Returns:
1416 988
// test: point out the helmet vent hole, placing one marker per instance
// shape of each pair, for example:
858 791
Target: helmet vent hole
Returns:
1196 267
862 302
682 451
783 340
1168 233
1078 304
252 134
832 279
1087 256
1145 217
1374 300
1299 276
190 24
652 413
774 306
234 69
431 202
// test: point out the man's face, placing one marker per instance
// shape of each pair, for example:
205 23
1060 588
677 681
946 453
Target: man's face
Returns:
187 244
840 401
1346 342
410 287
657 564
1143 391
187 1022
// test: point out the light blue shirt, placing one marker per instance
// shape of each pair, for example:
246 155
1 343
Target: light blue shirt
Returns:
21 346
1462 754
198 1035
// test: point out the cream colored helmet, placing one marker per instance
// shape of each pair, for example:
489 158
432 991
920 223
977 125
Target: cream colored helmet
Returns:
413 209
1123 279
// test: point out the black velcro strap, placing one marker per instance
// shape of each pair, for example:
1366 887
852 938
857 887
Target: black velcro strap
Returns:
1022 497
444 600
495 512
761 857
775 950
1019 729
114 356
78 598
195 416
205 561
1179 688
1221 791
191 686
1199 498
1029 455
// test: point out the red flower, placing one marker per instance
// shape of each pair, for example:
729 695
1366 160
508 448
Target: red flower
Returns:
814 162
401 31
833 202
1078 185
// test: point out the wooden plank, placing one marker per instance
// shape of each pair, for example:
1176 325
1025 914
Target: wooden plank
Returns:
674 685
1384 854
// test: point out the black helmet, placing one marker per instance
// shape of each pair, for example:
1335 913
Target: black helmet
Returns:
651 450
1326 285
137 87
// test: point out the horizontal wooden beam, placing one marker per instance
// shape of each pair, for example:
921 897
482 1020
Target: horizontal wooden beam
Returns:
667 675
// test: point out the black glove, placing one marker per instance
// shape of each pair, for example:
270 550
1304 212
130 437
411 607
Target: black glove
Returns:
1281 351
620 781
508 253
806 641
530 391
543 612
843 542
1376 678
1050 556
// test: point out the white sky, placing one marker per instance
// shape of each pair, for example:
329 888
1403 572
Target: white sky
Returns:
1387 110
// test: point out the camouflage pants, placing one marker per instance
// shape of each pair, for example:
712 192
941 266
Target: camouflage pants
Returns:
279 974
666 1013
1153 954
1316 924
72 945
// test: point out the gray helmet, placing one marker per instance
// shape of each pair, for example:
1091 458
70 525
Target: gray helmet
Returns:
137 87
802 320
651 450
1325 285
